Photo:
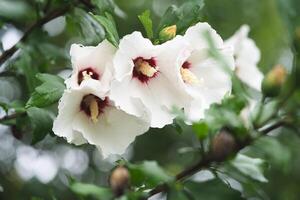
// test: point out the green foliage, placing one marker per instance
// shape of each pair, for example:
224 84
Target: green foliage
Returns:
275 29
41 121
147 23
14 9
147 174
48 93
252 167
227 114
103 6
211 190
90 190
109 25
183 17
201 129
81 23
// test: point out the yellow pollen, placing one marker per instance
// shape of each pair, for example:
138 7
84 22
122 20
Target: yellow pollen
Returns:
144 68
188 76
87 75
94 110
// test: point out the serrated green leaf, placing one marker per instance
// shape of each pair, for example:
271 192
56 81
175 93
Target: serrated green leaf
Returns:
110 27
41 122
147 23
148 173
48 93
252 167
89 190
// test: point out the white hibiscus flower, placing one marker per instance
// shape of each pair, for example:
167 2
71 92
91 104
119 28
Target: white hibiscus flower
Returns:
86 114
139 74
91 62
247 56
196 72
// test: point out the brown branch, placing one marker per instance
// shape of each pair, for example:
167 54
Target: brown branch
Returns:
208 160
12 116
48 17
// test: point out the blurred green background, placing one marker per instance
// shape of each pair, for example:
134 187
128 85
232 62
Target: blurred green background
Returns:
273 24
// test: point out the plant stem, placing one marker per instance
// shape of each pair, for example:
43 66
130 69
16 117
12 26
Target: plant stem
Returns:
48 17
208 160
12 116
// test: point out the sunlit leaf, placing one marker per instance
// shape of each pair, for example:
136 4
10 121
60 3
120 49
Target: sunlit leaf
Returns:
110 27
48 93
147 174
147 23
252 167
90 190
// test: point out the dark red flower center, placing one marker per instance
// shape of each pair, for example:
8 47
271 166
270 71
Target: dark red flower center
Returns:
186 65
87 73
93 106
144 69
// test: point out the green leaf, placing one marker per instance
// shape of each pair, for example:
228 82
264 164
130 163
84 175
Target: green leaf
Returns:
110 27
149 174
183 17
24 65
81 23
279 155
211 190
14 9
147 23
89 190
48 93
201 129
41 122
104 5
177 192
264 112
252 167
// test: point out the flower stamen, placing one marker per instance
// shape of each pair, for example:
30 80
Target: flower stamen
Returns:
144 69
93 106
187 75
94 110
86 74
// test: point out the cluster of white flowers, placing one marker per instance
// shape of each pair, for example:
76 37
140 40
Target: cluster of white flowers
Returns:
115 94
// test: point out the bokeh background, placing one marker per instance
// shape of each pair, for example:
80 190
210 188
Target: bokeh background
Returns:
42 171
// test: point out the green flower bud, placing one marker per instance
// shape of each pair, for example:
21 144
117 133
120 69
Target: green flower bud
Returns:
119 180
222 145
167 33
273 81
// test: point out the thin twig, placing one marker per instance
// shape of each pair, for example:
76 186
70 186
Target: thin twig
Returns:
12 116
208 160
51 15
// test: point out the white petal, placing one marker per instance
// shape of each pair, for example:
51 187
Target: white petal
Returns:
247 57
250 75
68 106
114 131
99 58
195 110
92 56
196 36
127 93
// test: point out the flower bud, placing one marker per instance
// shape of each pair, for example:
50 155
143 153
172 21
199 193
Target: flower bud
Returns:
223 145
167 33
273 81
119 180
